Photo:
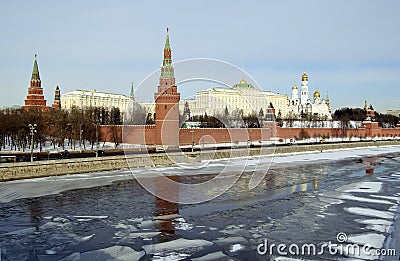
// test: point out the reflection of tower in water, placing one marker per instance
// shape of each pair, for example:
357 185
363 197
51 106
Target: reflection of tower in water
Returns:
165 211
35 209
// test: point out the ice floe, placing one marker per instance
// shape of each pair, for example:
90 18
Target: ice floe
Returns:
364 187
368 200
236 247
143 234
211 256
370 212
396 199
181 224
170 256
374 221
373 239
380 225
231 241
91 217
180 243
115 253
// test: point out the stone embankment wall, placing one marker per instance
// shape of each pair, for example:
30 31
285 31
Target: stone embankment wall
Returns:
23 170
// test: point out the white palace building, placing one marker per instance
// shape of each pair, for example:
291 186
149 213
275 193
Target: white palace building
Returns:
242 96
83 99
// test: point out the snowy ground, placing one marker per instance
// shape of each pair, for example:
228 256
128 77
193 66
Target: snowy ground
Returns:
49 148
304 198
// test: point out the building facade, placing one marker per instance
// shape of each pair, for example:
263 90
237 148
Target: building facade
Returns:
304 106
83 99
243 96
166 132
394 112
35 99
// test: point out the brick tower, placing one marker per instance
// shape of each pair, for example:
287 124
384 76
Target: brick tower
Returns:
57 99
35 99
167 104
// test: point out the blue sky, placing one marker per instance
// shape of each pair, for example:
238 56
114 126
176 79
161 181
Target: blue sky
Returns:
349 48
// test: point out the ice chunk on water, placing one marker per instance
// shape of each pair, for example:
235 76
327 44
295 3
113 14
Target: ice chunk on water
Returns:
373 239
330 199
171 256
117 253
370 212
167 217
50 225
60 219
230 241
236 247
236 231
379 228
374 222
396 199
91 217
84 239
143 234
211 256
180 243
51 252
368 200
365 187
146 224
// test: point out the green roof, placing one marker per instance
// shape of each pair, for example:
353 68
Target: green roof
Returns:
243 84
35 71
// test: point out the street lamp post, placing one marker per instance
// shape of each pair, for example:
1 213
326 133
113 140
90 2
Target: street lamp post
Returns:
80 137
97 141
33 131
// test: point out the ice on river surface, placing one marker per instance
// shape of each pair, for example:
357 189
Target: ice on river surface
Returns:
304 198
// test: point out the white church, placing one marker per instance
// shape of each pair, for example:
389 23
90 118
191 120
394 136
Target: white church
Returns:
305 106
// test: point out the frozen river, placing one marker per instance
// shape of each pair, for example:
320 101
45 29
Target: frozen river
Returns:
304 199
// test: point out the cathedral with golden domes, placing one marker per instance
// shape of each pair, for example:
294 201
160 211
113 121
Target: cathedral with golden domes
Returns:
305 107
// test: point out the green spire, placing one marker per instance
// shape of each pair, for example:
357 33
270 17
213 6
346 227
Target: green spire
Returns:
132 91
167 46
167 70
35 71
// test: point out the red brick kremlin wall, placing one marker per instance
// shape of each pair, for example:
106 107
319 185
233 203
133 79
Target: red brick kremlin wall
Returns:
146 134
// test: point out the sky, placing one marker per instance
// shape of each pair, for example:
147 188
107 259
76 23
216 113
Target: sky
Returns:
350 49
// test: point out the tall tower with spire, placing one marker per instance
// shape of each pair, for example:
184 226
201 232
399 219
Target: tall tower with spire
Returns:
304 89
35 99
57 99
167 100
132 93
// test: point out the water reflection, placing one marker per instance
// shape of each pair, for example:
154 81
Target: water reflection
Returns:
36 211
165 212
369 171
370 162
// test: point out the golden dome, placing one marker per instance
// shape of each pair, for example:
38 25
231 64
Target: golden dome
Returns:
304 77
243 80
294 87
317 94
